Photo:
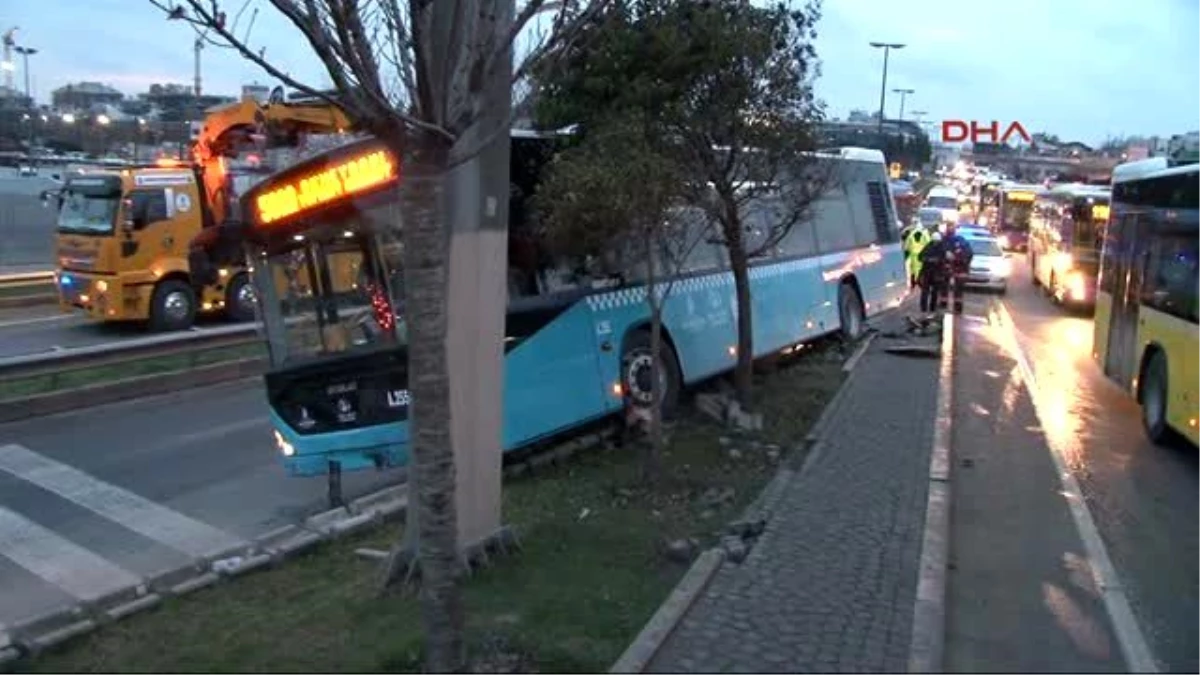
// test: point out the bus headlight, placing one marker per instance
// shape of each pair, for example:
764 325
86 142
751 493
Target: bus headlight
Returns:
1002 239
284 447
1002 267
1076 286
1062 262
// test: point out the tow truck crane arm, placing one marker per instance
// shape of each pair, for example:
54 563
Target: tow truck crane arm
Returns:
228 129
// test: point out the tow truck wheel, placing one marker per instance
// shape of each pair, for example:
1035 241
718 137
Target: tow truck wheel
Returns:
240 299
172 307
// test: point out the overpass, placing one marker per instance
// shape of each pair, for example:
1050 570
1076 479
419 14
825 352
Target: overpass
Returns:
1040 167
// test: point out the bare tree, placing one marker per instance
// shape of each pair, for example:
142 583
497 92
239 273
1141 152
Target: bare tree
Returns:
611 205
432 80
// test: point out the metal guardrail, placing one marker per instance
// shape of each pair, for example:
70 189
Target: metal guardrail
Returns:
26 278
191 344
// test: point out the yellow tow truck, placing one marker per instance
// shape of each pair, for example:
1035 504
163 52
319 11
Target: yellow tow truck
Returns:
123 237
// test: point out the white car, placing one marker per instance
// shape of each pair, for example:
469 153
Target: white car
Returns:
27 170
990 265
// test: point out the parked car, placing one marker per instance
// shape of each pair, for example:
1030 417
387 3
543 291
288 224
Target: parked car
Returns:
990 265
27 170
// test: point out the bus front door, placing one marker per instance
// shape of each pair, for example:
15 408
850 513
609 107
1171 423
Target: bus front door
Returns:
1127 282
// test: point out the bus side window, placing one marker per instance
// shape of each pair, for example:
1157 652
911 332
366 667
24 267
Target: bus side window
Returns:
1171 276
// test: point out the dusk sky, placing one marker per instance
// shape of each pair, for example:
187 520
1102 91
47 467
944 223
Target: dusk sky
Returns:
1082 69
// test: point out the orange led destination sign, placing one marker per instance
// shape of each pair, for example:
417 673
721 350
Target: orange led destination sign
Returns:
1021 196
1099 212
345 179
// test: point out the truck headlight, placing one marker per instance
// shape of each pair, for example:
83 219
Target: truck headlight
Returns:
1003 268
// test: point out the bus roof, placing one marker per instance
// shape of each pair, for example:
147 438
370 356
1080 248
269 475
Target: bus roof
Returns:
1078 190
1150 168
855 154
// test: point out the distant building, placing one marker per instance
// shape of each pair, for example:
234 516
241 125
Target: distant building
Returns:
1185 147
179 103
85 96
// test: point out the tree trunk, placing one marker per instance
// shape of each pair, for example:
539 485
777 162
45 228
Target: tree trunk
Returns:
433 525
744 372
652 468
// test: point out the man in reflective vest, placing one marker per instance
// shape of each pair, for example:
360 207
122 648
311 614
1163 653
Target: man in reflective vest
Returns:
915 242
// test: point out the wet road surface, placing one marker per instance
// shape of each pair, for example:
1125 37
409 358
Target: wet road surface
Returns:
1143 498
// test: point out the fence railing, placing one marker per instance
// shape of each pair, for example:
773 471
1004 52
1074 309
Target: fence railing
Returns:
187 344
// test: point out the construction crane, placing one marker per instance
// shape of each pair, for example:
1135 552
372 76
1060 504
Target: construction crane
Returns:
198 47
9 65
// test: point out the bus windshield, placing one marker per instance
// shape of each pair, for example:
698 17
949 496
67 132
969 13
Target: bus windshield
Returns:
1090 220
1016 215
328 298
942 202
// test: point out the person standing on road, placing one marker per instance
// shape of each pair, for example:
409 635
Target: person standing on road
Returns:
932 273
958 255
915 242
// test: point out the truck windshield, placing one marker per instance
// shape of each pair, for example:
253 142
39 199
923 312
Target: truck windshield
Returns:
81 212
328 298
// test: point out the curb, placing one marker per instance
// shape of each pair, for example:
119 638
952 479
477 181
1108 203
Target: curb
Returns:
139 387
927 646
643 649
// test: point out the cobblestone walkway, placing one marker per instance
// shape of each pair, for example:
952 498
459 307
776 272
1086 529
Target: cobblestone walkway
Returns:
830 585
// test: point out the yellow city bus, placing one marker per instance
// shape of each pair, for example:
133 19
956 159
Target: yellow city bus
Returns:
1066 230
1146 333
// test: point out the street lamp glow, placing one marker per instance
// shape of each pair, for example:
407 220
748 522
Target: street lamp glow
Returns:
103 120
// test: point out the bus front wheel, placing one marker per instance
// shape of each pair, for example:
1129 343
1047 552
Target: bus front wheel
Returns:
173 306
240 299
637 377
1153 396
850 312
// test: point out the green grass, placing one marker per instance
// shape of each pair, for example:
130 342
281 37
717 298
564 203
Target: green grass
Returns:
572 599
44 384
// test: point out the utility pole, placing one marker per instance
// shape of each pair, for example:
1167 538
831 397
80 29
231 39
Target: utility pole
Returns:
903 96
887 48
25 53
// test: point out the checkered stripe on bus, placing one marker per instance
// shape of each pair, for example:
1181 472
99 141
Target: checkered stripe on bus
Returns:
631 296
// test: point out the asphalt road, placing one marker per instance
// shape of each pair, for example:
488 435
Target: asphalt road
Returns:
26 227
1142 497
90 499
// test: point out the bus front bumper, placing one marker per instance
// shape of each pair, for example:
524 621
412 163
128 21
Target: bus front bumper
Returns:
380 446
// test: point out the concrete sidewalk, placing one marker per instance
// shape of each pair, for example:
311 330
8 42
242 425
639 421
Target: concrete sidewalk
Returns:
1021 594
831 583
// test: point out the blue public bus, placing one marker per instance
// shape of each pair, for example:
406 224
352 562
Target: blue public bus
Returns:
337 380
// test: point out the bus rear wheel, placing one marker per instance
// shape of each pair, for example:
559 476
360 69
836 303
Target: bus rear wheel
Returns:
172 306
636 373
1153 395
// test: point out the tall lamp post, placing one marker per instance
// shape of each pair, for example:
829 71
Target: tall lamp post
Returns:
887 48
903 97
25 53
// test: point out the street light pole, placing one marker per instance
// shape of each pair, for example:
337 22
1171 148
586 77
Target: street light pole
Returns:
887 48
25 53
903 97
